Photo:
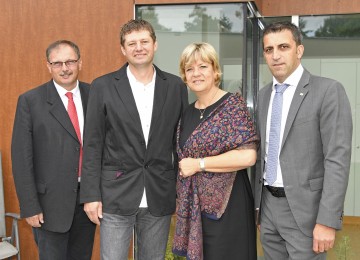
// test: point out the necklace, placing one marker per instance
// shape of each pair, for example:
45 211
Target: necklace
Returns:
202 111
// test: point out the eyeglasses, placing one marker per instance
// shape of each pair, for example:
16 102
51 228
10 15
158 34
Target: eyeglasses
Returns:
59 64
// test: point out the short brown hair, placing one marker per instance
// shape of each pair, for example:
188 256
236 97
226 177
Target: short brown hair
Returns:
136 25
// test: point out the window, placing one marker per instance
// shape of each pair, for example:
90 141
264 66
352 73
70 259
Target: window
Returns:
221 25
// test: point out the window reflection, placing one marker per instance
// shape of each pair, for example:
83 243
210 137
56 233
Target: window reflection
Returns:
221 25
193 18
331 26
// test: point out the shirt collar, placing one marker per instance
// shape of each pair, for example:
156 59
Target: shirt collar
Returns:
293 79
62 91
133 80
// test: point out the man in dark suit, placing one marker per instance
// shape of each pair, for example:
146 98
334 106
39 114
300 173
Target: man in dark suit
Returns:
301 205
46 156
129 169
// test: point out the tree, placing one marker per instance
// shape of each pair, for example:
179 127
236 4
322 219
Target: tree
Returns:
302 26
340 26
151 16
204 22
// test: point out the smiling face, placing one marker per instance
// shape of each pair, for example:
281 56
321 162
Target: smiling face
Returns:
281 54
200 76
139 48
66 75
200 68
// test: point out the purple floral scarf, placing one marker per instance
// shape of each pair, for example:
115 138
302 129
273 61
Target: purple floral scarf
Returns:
227 127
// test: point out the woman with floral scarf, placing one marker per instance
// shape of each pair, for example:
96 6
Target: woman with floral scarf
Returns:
216 142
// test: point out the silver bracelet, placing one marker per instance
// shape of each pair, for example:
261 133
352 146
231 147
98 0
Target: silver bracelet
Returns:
202 164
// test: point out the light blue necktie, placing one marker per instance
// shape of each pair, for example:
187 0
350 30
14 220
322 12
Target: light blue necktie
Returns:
274 135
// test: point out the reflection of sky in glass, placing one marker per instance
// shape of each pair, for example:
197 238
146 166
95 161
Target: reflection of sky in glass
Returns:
312 23
334 26
172 16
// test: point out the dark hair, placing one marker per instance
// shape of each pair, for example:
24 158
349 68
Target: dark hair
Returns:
136 25
56 44
282 25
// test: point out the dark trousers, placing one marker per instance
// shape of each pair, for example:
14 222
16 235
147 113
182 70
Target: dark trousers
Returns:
76 244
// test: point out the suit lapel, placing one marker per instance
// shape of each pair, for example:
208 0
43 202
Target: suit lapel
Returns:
123 88
161 89
84 97
299 95
58 110
264 112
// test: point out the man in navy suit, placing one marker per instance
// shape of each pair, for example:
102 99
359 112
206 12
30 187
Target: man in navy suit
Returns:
46 149
130 166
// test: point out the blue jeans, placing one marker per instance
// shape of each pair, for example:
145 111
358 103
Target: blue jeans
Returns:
151 235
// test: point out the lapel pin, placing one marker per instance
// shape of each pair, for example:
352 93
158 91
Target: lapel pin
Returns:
301 94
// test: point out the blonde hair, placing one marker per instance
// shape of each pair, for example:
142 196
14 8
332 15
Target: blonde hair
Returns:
203 51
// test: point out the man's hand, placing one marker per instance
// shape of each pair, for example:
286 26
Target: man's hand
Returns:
94 211
35 221
324 238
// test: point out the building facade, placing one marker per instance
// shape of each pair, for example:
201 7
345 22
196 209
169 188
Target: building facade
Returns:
233 27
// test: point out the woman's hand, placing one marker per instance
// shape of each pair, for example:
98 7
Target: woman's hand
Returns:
230 161
189 166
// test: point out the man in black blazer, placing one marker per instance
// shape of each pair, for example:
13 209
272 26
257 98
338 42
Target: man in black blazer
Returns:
46 160
129 167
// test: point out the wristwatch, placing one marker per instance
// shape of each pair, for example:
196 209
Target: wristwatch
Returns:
202 164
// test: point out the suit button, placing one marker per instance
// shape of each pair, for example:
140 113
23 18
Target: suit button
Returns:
146 166
76 170
142 142
77 148
75 190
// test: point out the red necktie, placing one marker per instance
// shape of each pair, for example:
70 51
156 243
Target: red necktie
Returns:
74 120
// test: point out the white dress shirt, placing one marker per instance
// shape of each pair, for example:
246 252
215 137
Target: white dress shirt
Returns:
77 101
144 99
293 81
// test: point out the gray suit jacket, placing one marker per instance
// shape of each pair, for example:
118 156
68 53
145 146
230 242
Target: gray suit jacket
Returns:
45 156
315 151
117 163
